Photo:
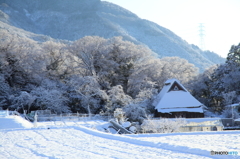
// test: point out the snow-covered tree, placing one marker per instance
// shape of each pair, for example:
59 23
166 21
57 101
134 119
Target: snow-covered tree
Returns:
200 86
181 69
21 102
123 58
153 73
233 57
145 77
219 86
5 92
86 91
59 62
20 60
86 49
112 61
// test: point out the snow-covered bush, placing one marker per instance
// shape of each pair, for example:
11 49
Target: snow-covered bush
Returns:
135 112
141 106
163 125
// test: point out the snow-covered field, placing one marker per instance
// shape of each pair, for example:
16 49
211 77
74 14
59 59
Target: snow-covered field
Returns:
20 139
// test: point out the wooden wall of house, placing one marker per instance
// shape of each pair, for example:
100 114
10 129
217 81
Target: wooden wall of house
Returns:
179 114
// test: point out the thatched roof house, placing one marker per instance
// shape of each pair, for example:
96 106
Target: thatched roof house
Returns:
175 101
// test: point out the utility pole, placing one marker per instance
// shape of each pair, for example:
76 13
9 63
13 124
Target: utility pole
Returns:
201 36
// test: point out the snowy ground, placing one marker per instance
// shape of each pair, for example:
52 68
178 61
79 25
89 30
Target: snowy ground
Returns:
20 139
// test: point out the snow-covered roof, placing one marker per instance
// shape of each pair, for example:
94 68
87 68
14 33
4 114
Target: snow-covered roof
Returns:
176 100
237 119
167 85
234 105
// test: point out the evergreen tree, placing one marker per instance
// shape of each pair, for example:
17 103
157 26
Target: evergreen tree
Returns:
234 55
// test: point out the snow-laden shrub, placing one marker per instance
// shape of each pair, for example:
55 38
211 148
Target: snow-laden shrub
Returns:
141 106
135 112
163 125
229 113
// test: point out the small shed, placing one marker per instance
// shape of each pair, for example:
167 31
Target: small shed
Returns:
175 101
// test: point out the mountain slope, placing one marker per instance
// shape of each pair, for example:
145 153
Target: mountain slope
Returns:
60 19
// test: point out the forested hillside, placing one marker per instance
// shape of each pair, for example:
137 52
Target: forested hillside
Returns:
72 21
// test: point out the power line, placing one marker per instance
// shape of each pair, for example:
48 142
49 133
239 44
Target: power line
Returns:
201 36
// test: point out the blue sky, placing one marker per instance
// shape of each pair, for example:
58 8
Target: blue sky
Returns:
220 18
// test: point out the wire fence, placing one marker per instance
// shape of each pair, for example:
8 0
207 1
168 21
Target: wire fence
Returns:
71 117
46 115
